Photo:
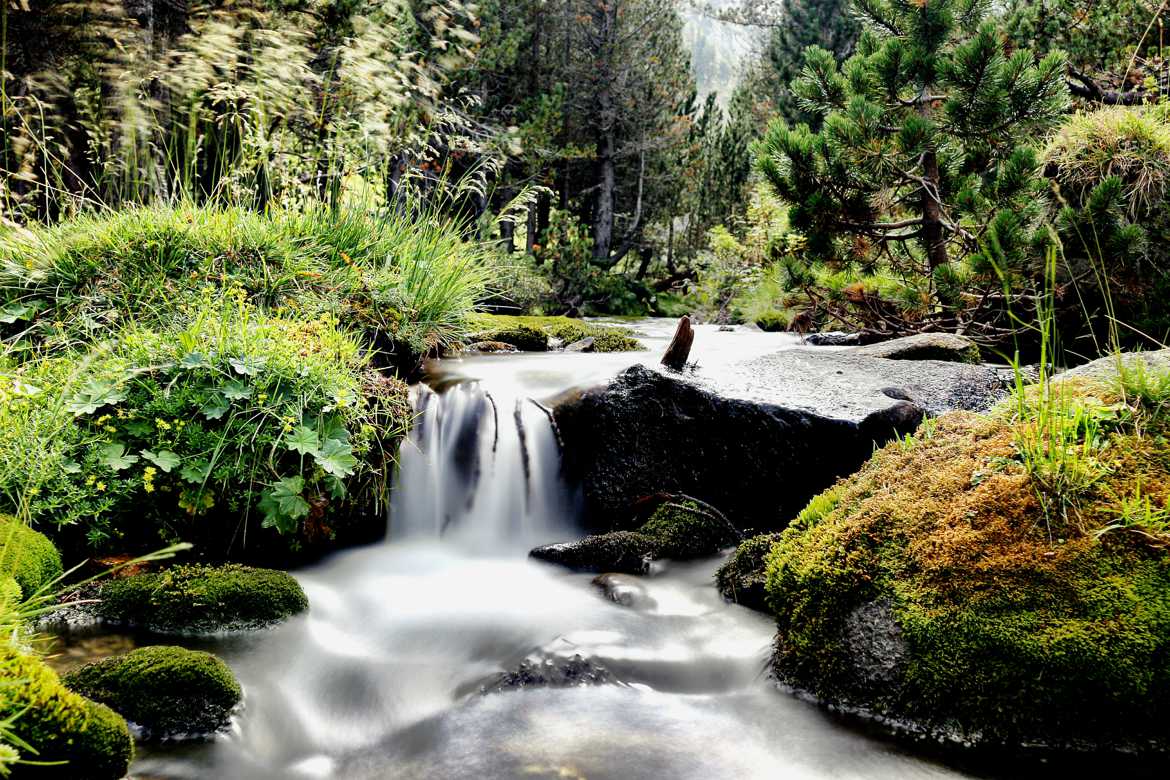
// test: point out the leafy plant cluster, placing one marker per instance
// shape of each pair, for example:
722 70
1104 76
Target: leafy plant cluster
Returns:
197 430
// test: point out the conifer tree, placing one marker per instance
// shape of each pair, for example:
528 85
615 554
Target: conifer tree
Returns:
923 158
828 24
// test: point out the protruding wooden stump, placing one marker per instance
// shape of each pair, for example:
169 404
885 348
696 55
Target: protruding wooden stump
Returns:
680 346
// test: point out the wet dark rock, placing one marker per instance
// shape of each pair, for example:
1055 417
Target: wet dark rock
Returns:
758 441
625 552
678 529
587 344
555 672
624 590
491 347
924 346
873 642
834 338
741 578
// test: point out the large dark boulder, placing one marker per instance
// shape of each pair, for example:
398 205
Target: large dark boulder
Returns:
760 440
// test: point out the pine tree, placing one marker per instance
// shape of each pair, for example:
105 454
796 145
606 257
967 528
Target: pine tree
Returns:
803 23
923 159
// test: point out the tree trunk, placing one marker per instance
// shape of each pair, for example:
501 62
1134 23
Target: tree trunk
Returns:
605 17
932 226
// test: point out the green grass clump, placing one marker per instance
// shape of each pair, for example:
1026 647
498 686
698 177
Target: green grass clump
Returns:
49 723
225 424
192 599
166 691
530 333
28 557
407 280
1014 623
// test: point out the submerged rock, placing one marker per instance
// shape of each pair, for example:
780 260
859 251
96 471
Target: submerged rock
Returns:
165 692
194 599
924 346
834 338
757 442
741 578
555 672
624 590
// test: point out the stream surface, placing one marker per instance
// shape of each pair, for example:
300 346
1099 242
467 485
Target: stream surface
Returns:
382 677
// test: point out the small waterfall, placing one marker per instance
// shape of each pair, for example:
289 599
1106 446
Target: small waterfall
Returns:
482 469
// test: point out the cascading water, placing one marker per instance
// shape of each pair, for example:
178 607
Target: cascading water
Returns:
480 469
382 678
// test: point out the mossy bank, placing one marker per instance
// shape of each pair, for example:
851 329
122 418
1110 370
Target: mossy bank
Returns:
539 334
953 589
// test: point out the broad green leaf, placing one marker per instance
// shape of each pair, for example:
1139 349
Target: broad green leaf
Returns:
302 439
193 360
235 390
114 457
164 459
216 407
93 395
16 311
139 428
248 366
336 487
195 471
283 505
336 458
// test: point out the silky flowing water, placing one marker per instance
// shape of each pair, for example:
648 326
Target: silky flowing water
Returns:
382 677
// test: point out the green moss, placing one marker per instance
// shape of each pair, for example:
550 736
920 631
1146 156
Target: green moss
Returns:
742 576
532 333
196 599
685 529
167 691
772 321
1009 627
27 556
90 739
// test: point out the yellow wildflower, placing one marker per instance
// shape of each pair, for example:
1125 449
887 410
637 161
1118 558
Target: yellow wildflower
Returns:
101 486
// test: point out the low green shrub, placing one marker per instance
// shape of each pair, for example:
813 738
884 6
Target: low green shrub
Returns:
81 739
166 691
772 321
192 599
227 422
28 557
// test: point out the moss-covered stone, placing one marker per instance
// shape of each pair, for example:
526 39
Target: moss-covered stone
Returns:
742 576
532 334
89 740
772 321
679 530
197 599
27 556
167 692
934 590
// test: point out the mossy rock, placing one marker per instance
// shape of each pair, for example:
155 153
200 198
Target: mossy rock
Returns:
679 530
684 529
772 321
742 576
91 741
532 334
27 556
167 692
936 594
198 599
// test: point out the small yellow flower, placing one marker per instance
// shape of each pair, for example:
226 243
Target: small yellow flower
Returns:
111 429
101 486
262 397
90 480
148 487
162 424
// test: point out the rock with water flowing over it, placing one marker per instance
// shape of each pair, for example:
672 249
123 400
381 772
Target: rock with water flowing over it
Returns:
742 576
624 552
624 590
759 440
555 672
924 346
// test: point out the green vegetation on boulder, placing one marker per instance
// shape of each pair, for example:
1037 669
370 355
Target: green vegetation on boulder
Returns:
27 556
742 576
532 334
965 585
166 691
61 726
197 599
